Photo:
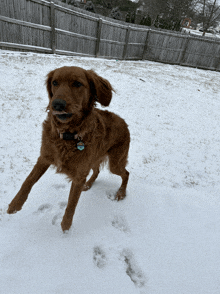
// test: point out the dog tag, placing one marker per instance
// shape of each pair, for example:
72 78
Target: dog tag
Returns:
80 145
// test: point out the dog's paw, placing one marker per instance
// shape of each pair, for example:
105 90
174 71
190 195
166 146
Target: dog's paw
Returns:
12 210
66 223
120 195
14 206
86 187
120 223
134 273
99 257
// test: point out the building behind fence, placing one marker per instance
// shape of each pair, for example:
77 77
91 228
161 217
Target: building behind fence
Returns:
42 26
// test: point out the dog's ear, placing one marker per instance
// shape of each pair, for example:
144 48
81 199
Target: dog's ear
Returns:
48 83
101 89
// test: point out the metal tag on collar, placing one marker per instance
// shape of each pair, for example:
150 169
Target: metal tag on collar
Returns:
80 145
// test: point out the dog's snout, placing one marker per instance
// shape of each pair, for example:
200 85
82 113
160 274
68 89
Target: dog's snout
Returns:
59 104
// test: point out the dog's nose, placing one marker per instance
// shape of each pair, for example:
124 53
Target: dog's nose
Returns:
59 104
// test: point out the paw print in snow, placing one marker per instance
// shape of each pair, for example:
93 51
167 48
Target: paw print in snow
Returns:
134 273
120 223
43 208
99 257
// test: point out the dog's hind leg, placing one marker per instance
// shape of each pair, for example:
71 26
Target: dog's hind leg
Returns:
117 162
89 183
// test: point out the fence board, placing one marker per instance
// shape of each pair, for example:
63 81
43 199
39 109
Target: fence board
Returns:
39 25
24 23
99 31
165 47
137 36
74 44
200 53
216 60
26 10
126 42
113 41
21 47
53 27
136 44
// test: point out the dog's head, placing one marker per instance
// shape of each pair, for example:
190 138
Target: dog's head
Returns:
73 92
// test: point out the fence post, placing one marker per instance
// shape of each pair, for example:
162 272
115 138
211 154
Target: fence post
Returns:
126 42
217 63
99 31
52 24
145 46
183 51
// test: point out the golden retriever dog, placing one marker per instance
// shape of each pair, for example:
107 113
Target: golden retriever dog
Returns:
78 137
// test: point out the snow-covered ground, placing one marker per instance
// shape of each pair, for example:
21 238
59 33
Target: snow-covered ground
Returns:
164 238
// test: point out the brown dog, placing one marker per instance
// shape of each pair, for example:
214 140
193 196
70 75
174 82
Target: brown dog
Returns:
78 137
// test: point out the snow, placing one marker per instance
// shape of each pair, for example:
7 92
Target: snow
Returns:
164 237
198 33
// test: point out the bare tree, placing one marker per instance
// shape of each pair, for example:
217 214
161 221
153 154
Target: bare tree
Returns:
210 13
153 8
169 9
115 13
206 12
90 6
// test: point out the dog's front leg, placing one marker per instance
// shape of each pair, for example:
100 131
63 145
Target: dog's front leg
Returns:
75 191
18 201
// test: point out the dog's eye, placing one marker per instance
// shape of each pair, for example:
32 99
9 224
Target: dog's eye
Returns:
55 83
77 84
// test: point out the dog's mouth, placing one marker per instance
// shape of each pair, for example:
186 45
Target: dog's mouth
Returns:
62 115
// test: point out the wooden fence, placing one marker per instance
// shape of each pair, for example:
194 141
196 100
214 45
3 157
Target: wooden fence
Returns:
42 26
